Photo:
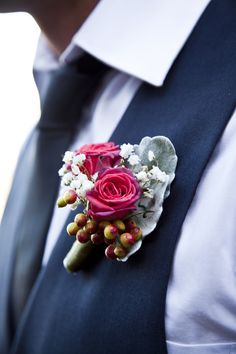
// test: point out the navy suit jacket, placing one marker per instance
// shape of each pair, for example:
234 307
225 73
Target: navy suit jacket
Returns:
120 307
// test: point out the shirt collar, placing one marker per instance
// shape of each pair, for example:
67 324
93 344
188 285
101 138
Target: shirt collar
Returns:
139 37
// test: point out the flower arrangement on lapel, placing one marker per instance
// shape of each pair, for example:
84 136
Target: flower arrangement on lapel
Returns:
121 189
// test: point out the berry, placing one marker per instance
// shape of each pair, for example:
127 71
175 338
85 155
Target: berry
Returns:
137 233
81 219
111 232
120 225
72 229
120 252
91 226
127 240
82 236
70 197
109 252
61 203
103 224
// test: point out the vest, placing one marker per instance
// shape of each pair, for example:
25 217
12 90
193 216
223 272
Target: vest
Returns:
120 307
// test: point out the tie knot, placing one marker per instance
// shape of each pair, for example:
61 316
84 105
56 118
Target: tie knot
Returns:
69 89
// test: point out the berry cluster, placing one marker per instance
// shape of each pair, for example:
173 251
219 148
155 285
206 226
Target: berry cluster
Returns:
118 236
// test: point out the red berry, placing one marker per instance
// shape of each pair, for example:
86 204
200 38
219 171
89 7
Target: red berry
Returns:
109 252
82 236
81 219
91 226
137 233
70 197
111 232
127 240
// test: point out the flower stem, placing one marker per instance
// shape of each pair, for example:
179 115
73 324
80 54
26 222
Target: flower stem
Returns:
77 255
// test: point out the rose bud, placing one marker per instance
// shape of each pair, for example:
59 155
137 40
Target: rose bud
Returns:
72 229
82 236
61 203
111 232
91 226
127 240
97 238
103 224
120 252
70 197
130 224
137 233
120 225
81 219
109 252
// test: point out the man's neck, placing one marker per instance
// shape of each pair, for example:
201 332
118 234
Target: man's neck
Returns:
60 20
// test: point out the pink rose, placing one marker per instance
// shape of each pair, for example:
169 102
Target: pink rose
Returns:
114 195
99 157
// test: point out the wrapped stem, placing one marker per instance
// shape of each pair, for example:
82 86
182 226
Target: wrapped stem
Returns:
77 255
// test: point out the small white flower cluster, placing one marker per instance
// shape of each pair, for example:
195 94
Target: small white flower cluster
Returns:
146 176
73 178
127 152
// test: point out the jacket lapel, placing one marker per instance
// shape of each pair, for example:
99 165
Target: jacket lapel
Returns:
192 109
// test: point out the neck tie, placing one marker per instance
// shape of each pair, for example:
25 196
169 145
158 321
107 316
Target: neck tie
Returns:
35 185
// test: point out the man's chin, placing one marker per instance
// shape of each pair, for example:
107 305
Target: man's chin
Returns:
12 6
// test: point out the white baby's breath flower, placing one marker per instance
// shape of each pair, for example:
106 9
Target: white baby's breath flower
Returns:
85 187
151 155
142 176
126 150
79 159
144 168
62 171
75 184
82 177
67 178
75 169
68 157
156 174
134 160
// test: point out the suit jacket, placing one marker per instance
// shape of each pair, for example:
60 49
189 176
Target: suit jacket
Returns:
120 307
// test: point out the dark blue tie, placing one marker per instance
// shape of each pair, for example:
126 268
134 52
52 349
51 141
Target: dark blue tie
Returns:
30 205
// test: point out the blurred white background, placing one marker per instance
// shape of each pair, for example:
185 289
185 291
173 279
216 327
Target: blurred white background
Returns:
19 102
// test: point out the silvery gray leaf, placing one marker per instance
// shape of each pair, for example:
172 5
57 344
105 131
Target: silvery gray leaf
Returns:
166 159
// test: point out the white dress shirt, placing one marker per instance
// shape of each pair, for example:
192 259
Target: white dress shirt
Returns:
141 40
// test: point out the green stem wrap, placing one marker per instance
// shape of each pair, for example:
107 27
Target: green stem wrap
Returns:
77 255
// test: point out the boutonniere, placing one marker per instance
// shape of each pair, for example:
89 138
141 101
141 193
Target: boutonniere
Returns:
121 190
